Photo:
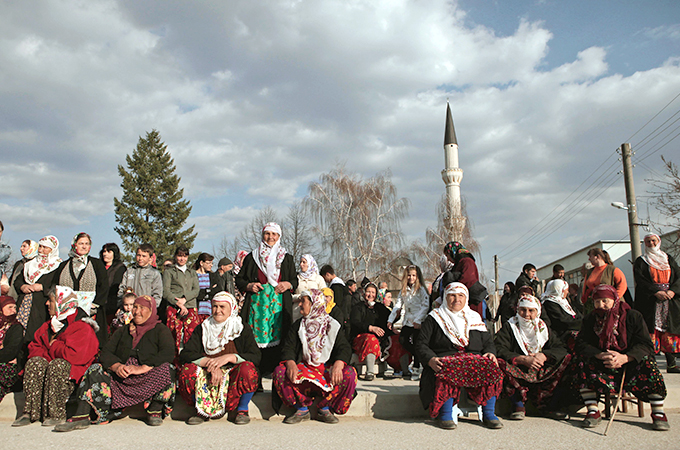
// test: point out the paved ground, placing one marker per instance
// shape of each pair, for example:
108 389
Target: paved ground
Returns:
627 432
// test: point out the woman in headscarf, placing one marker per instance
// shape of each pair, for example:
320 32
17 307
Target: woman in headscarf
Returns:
133 368
564 320
459 352
370 331
63 348
507 307
218 374
315 362
82 272
533 358
11 335
268 278
613 342
657 297
465 271
29 250
32 285
308 279
115 269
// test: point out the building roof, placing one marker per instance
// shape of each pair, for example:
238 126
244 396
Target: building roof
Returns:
598 244
450 132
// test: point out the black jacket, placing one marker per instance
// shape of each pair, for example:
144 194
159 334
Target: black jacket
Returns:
645 288
11 344
246 346
561 322
363 317
156 347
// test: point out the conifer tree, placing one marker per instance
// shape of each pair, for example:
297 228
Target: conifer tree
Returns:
152 209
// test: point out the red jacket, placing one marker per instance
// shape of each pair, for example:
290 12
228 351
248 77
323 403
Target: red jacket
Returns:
76 343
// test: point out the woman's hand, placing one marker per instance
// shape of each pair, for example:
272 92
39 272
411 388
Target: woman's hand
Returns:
139 370
661 296
26 289
416 325
613 359
435 363
336 372
216 376
121 370
389 325
37 287
491 356
283 287
217 362
254 287
291 370
376 330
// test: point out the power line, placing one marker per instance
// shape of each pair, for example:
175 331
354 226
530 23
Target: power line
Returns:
667 142
655 116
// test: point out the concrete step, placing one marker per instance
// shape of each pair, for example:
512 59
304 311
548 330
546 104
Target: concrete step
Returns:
380 399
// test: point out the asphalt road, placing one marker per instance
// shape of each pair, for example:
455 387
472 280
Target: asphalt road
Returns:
627 432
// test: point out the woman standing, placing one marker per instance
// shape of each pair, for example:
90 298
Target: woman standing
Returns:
603 272
308 279
207 284
115 269
32 285
657 297
180 289
11 335
268 278
82 272
218 373
29 250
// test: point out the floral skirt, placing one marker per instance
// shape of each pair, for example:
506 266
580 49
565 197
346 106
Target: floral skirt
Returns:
538 385
366 344
642 378
181 327
214 401
666 342
393 353
303 392
9 374
481 378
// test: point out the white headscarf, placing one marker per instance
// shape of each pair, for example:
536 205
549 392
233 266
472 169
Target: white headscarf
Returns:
67 302
457 325
553 293
217 335
318 330
312 267
268 258
654 257
531 335
40 265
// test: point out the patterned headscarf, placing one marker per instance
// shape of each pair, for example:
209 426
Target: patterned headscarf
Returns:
457 325
312 268
40 265
654 257
32 250
452 248
79 261
268 258
151 322
318 330
610 325
238 262
67 302
217 335
554 291
530 334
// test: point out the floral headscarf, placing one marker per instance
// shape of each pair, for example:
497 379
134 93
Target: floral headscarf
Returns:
32 250
217 335
318 330
40 265
457 325
312 268
268 258
238 262
68 301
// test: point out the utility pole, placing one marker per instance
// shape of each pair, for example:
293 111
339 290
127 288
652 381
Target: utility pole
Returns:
633 222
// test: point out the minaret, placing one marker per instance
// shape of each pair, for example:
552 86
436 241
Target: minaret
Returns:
452 176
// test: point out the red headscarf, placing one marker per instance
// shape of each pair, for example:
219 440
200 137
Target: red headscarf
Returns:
151 322
610 325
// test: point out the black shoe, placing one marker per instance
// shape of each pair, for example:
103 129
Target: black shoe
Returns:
493 424
22 421
557 415
297 417
72 425
326 416
154 420
242 418
195 420
446 424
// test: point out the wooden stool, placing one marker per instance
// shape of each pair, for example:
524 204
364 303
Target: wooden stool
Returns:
623 403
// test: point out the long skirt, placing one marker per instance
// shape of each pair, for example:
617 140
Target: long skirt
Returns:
47 387
393 352
108 393
193 383
537 385
481 378
666 342
642 378
181 327
315 382
9 374
366 344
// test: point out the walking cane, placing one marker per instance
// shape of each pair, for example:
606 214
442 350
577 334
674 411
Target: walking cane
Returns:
618 399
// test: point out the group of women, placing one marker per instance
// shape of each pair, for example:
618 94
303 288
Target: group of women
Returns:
290 326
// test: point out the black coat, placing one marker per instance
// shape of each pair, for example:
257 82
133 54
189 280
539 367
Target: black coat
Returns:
509 348
639 342
38 314
524 280
560 321
209 293
292 347
246 347
506 307
433 342
12 343
155 348
115 273
645 301
363 317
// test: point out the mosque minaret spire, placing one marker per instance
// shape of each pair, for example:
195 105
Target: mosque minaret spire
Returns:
452 176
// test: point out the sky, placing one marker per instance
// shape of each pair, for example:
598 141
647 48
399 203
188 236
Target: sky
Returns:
255 100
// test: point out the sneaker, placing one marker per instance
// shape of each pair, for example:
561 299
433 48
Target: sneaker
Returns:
50 422
195 420
493 424
22 421
388 374
592 420
154 420
446 424
297 417
518 414
71 425
326 416
242 418
660 422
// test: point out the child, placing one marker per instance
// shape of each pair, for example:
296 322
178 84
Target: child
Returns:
142 277
124 313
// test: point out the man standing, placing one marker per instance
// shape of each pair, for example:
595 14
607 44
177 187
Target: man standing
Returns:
341 294
528 278
226 283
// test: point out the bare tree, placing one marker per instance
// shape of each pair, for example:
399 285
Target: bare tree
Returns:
226 247
251 235
298 236
358 220
666 195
